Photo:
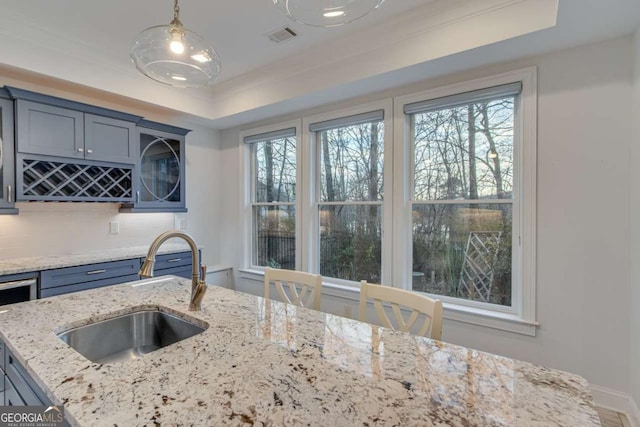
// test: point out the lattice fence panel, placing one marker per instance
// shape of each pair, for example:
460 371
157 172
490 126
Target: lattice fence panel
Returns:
70 181
476 278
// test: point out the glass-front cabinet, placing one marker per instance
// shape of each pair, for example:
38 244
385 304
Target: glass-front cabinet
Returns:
160 177
7 159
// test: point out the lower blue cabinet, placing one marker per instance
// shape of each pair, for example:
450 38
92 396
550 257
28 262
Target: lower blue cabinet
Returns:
73 279
19 389
89 276
178 264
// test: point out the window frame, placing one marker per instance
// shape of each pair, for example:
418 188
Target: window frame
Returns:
311 155
247 169
521 314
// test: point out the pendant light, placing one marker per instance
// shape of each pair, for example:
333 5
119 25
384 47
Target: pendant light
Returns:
175 55
326 13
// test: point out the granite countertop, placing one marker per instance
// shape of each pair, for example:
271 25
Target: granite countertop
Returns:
262 362
39 263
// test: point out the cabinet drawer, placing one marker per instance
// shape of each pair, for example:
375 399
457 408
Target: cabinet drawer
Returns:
172 261
60 290
89 273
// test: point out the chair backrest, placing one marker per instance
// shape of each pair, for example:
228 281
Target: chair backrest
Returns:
420 306
294 287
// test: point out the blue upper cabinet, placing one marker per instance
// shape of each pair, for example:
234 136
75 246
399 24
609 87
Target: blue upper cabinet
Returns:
110 140
70 151
7 158
159 177
51 126
49 130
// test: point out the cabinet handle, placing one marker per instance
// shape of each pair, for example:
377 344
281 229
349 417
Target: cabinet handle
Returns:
175 260
80 150
96 272
9 194
90 151
137 196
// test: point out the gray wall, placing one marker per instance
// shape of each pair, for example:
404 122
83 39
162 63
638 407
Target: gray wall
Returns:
635 233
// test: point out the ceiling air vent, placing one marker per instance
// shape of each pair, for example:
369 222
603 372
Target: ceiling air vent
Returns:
283 34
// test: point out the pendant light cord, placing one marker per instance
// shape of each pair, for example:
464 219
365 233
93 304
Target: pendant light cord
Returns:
176 16
176 10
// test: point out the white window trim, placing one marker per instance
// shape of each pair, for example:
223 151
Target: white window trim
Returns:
246 174
311 164
522 315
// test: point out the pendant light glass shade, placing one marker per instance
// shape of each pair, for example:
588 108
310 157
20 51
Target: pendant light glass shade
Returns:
175 55
326 13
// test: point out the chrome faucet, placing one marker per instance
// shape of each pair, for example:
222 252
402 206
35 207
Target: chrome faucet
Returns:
198 285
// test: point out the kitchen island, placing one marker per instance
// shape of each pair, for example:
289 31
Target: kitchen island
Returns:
262 362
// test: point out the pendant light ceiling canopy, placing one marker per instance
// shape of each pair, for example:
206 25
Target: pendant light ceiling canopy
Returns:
326 13
174 55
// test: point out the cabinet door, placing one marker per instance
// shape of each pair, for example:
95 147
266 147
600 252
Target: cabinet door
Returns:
20 387
48 130
7 158
161 170
109 140
11 397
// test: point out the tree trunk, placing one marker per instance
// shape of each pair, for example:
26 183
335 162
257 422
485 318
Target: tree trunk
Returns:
268 159
497 174
281 173
328 172
373 179
473 185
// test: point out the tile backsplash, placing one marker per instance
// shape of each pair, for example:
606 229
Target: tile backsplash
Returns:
70 228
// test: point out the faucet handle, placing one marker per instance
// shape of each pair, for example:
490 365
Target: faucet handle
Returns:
203 273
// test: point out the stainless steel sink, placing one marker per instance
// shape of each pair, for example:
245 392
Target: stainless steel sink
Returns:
129 336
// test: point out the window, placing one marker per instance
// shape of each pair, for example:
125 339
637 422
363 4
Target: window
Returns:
467 233
350 152
273 198
432 192
462 204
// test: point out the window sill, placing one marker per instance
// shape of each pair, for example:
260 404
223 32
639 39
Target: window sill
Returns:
459 313
490 319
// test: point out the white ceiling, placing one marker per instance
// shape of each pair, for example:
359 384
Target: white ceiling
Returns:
87 42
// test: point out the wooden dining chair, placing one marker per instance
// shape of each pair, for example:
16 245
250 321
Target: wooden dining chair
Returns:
420 306
294 287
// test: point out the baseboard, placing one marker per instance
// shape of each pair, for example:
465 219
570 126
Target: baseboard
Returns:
634 413
617 401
